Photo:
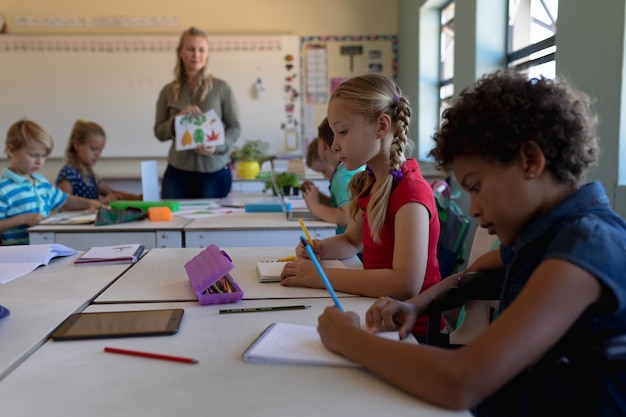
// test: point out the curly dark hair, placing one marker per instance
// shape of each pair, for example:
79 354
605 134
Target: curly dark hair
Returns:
506 109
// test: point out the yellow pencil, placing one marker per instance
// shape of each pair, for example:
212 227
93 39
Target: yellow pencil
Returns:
287 259
306 233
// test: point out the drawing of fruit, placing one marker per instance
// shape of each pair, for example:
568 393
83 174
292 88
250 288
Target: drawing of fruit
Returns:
186 139
198 135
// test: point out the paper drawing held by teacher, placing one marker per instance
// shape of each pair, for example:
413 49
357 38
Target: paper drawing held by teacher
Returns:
203 170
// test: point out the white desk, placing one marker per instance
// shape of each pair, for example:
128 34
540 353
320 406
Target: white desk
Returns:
81 237
160 276
251 230
76 378
42 299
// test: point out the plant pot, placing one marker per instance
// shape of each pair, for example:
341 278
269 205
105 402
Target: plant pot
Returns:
248 169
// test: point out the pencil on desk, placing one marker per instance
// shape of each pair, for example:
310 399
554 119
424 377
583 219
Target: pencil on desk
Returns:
149 355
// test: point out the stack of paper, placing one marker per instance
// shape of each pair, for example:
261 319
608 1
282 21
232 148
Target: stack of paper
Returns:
71 217
115 254
19 260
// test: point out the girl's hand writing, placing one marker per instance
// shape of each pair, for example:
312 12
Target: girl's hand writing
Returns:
389 314
300 273
316 246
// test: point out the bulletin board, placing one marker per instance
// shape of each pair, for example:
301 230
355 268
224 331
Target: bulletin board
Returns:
115 80
328 60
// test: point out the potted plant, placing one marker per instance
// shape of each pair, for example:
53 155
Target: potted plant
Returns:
288 182
248 158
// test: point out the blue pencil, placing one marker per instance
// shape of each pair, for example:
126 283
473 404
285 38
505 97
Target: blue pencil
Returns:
321 273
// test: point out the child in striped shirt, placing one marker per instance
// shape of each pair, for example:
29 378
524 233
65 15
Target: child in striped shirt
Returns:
26 197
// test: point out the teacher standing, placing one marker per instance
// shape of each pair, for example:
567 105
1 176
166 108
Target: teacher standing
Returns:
203 172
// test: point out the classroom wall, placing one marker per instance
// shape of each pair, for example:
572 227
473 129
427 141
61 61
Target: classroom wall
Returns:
303 18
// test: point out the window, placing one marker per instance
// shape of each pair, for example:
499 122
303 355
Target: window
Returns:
446 56
531 36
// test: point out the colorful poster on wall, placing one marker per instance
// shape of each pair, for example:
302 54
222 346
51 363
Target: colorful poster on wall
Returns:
192 131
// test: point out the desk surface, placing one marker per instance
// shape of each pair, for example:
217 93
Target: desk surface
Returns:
160 276
235 229
76 378
253 221
177 223
42 299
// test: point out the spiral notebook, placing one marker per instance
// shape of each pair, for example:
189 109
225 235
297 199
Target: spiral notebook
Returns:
269 271
287 343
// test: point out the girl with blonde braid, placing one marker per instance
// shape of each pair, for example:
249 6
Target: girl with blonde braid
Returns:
393 218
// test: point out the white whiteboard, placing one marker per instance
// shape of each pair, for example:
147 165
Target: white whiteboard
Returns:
115 81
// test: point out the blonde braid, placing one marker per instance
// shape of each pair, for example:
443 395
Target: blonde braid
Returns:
377 211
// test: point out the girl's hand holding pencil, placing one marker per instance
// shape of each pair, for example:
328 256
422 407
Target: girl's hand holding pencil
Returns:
316 246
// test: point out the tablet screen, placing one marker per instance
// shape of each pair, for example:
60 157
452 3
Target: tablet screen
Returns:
119 324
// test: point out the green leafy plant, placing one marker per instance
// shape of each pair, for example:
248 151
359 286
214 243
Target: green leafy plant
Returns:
287 179
285 182
252 150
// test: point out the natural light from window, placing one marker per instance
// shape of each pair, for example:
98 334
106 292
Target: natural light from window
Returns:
532 34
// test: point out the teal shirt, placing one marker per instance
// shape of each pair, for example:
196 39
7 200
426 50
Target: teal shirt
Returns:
339 195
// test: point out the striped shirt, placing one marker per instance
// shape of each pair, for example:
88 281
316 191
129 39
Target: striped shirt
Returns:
18 195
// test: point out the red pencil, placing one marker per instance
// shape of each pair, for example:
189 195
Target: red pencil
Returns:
149 355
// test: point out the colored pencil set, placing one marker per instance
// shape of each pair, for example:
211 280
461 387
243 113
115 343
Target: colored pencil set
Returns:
220 286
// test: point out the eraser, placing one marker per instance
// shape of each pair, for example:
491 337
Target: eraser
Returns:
160 214
144 205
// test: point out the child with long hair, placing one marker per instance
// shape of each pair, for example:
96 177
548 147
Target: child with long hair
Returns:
393 218
77 176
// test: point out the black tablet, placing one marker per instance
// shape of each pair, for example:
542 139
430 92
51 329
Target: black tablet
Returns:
119 324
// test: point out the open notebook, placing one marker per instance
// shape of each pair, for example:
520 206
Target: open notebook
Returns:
297 344
269 271
71 217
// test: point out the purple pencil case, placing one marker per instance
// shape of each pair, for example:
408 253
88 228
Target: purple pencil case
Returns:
205 272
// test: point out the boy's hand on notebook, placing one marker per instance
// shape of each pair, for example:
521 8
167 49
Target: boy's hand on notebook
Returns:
31 219
332 326
389 314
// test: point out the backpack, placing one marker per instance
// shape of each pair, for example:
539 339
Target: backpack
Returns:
454 227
